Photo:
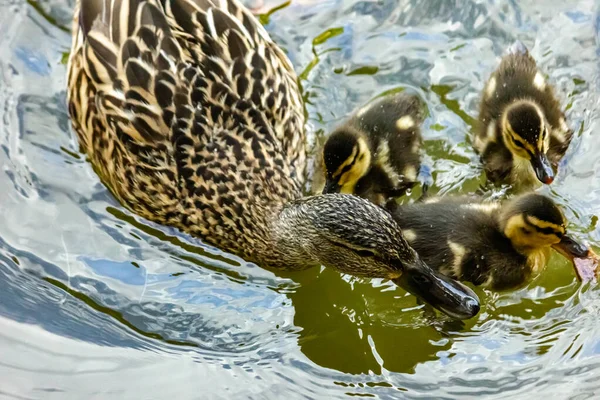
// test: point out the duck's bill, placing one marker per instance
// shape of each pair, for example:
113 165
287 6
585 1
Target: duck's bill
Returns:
584 260
331 186
543 169
443 293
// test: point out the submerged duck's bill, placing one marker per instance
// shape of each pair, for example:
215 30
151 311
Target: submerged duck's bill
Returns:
440 291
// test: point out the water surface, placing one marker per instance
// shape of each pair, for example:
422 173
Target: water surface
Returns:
98 303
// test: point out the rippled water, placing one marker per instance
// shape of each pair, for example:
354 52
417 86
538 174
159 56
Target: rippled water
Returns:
95 301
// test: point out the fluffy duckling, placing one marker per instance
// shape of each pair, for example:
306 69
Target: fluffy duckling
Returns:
496 245
375 154
522 134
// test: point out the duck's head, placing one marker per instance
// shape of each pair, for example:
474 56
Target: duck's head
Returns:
357 237
534 222
346 159
525 132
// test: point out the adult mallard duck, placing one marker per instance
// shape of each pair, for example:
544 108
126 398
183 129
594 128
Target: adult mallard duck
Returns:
192 117
522 134
375 153
499 245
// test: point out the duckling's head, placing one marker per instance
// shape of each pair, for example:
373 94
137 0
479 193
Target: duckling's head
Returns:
534 222
526 135
346 159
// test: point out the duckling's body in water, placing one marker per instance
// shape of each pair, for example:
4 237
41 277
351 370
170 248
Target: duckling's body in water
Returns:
375 154
521 134
497 245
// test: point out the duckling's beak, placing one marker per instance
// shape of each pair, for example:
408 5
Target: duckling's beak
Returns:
447 295
543 169
331 186
571 249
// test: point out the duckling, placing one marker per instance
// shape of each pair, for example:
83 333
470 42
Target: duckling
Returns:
170 101
497 245
375 154
522 133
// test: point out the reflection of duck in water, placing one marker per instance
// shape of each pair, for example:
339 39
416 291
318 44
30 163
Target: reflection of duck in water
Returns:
192 116
522 134
375 154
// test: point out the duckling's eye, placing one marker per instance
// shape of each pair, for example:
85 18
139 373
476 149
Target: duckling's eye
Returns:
365 253
525 231
519 144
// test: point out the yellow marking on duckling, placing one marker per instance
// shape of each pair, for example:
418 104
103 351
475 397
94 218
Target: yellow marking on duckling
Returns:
410 173
409 234
536 260
489 281
512 137
416 145
459 253
491 131
539 81
526 239
347 162
405 122
563 125
362 111
544 224
382 159
481 141
488 208
522 173
490 89
478 144
361 163
559 135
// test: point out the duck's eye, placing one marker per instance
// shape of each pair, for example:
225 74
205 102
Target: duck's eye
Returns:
525 231
365 253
